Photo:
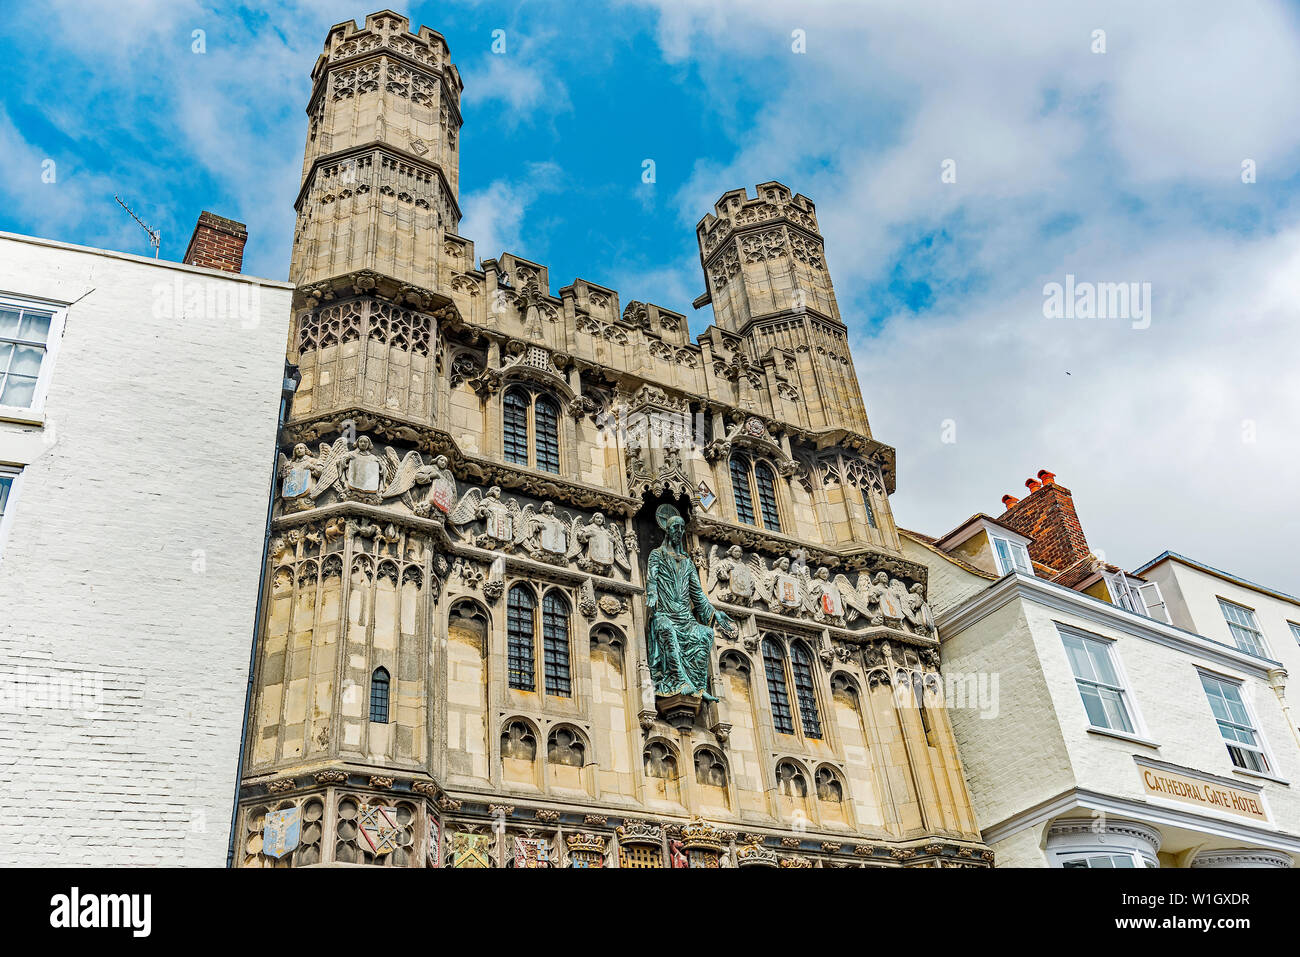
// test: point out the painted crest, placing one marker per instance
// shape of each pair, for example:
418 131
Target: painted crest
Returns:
434 848
532 852
831 603
500 525
742 580
296 483
787 590
443 492
377 829
471 850
707 498
280 835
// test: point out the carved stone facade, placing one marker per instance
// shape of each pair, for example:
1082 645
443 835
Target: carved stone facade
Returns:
467 489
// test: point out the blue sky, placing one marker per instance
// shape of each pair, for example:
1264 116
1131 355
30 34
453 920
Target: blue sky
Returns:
1122 165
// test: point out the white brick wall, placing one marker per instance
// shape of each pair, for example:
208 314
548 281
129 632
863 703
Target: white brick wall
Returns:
133 555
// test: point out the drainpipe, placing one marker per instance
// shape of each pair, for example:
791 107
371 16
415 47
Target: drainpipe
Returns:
290 385
1277 681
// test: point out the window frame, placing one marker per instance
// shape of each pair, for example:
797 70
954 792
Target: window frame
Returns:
58 313
1013 548
511 639
532 435
1293 625
1123 686
790 690
388 695
1260 746
539 642
757 508
1263 650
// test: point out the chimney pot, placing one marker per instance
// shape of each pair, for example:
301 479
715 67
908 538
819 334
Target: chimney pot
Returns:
1033 485
1047 478
1010 501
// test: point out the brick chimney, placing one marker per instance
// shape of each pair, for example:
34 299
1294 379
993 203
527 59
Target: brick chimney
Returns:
217 243
1047 516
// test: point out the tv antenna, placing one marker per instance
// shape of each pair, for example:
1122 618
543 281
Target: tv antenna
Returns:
155 237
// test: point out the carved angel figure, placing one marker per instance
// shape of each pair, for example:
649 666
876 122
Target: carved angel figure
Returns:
363 470
916 610
298 475
603 546
328 474
824 599
777 586
543 533
737 578
500 519
402 474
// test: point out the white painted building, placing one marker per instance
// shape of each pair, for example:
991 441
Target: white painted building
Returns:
1094 734
138 410
1229 608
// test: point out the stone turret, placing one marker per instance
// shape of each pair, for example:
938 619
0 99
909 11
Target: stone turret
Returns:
765 270
381 168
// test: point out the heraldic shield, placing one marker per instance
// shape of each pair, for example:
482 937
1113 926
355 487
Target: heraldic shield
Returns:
280 835
378 830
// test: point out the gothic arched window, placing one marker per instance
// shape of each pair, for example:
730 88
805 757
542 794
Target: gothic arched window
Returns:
528 413
790 780
566 748
520 616
546 415
866 503
555 644
766 482
829 787
515 426
379 696
740 487
709 768
755 481
777 690
801 667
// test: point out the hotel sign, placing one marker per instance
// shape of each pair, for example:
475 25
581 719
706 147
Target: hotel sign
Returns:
1206 795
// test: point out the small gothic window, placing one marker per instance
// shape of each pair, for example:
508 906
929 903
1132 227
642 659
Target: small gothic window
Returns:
829 788
516 427
779 695
740 487
866 503
801 666
709 769
918 690
517 741
555 644
766 482
546 415
790 780
520 611
565 747
660 762
379 696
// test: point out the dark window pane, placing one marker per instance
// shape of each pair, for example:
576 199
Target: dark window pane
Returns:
740 486
767 496
801 666
516 427
546 415
379 696
774 668
555 644
866 502
519 637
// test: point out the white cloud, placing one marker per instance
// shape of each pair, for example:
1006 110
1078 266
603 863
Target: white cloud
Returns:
1134 148
494 216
